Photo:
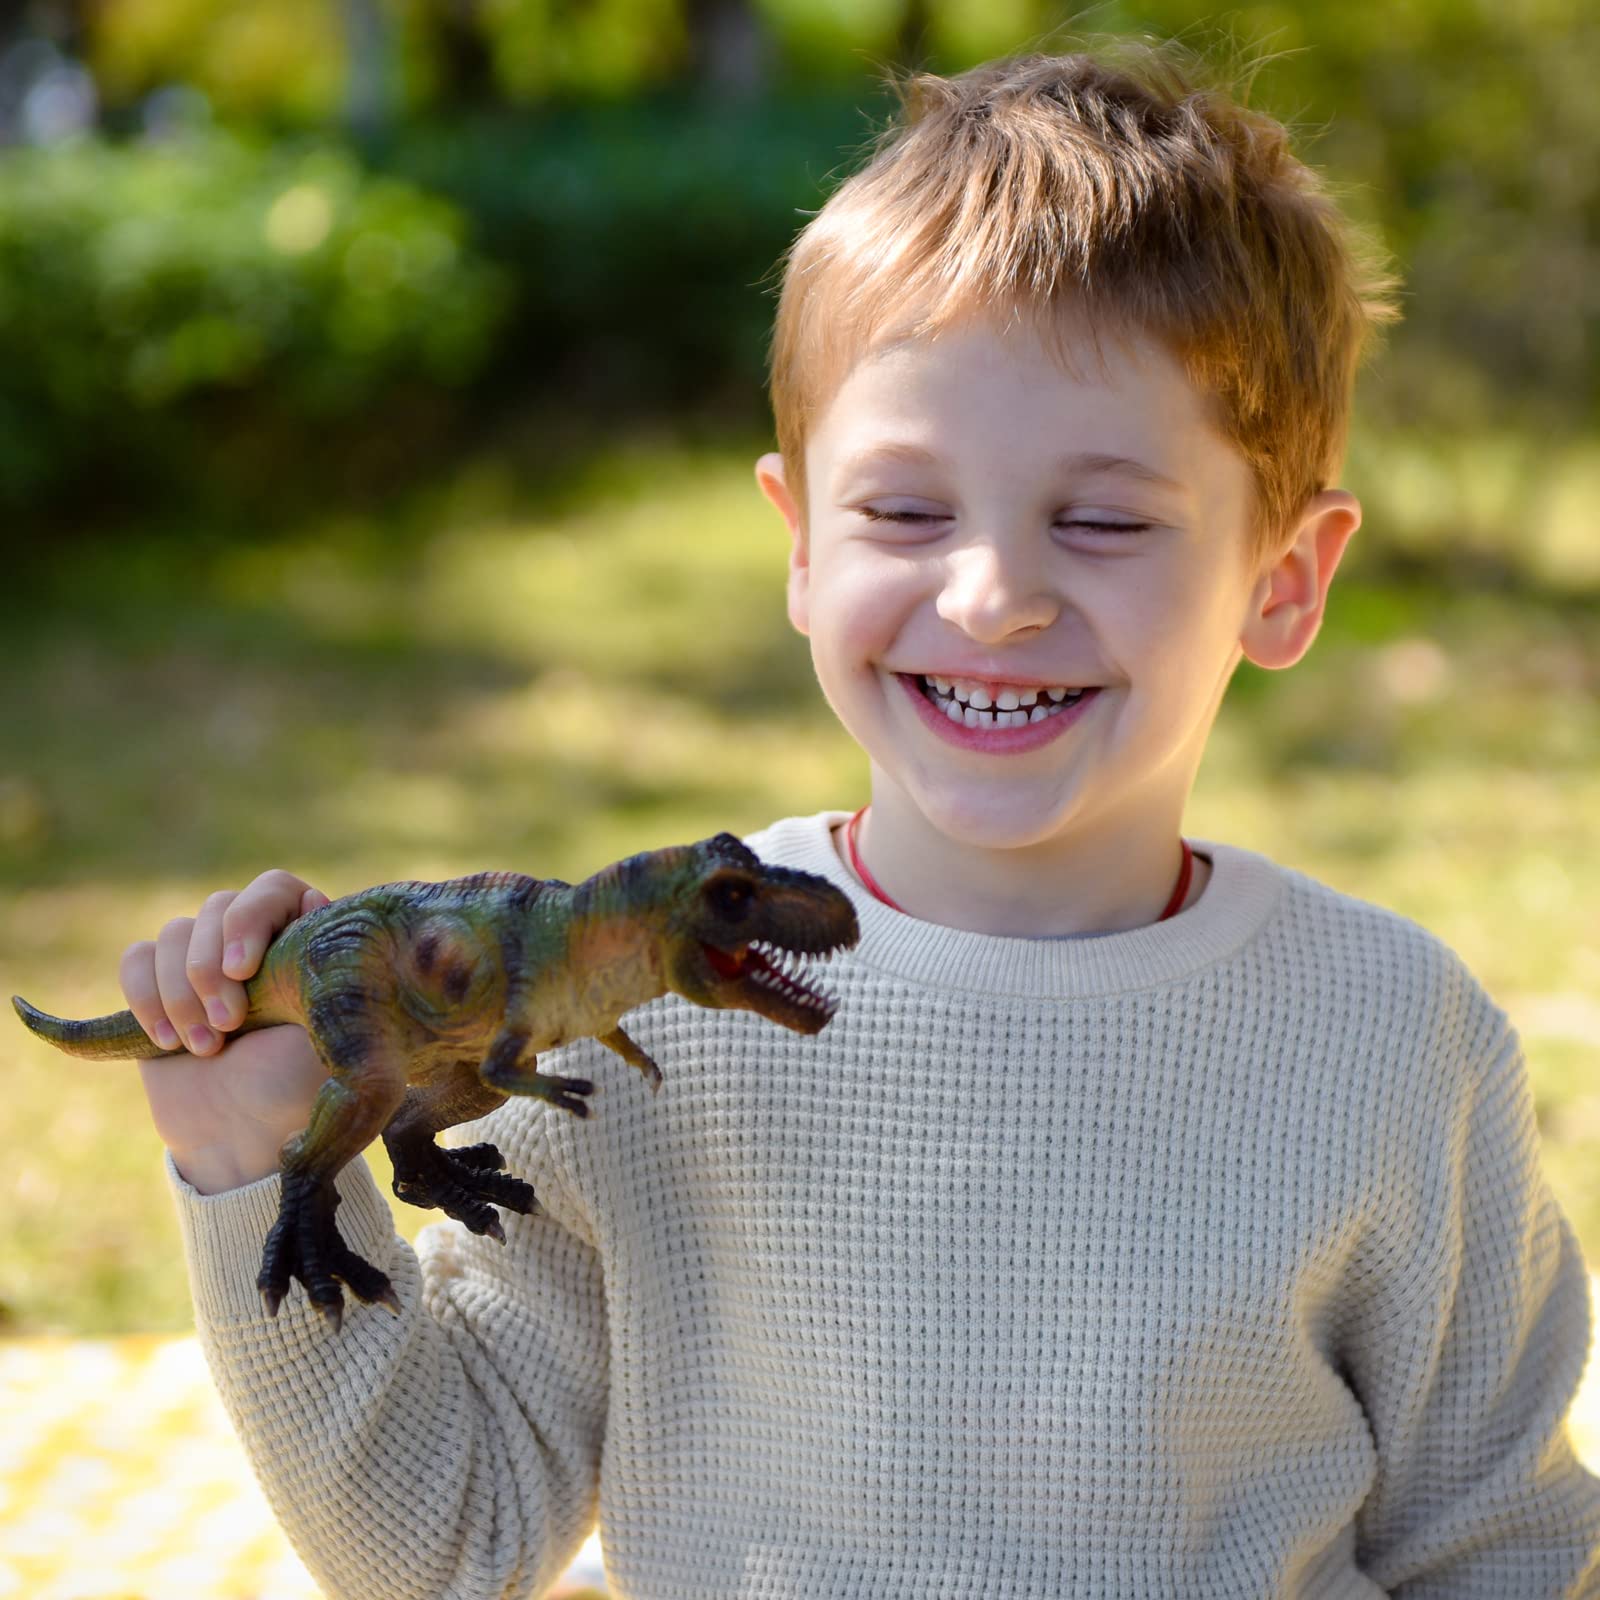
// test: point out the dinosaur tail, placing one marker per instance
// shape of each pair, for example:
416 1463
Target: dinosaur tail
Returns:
114 1038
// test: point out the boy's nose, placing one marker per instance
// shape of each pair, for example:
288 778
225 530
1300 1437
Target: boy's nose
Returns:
991 594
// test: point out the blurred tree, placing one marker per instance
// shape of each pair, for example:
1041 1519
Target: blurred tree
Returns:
449 58
831 39
730 51
370 81
913 45
274 61
63 22
602 47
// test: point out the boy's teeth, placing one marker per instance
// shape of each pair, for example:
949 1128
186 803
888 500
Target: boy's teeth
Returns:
1009 699
1011 708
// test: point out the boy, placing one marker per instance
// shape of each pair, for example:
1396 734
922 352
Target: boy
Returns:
1151 1219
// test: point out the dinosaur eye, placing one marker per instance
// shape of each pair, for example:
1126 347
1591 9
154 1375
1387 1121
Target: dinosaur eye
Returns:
729 899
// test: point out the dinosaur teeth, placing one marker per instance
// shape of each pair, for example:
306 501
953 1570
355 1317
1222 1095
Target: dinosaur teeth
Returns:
780 970
781 983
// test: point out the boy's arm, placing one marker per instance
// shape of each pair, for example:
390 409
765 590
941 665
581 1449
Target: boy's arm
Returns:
1467 1370
452 1449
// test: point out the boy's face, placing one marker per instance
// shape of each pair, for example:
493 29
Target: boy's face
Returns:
978 513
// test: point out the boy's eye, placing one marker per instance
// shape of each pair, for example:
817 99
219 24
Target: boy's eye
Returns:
873 514
1094 524
1106 527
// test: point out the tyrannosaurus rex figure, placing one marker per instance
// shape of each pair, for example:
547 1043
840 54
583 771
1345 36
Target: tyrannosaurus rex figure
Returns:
428 1002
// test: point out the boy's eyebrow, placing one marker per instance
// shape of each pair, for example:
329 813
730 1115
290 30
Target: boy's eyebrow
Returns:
1086 462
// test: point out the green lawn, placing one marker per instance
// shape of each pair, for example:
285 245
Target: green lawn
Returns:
546 679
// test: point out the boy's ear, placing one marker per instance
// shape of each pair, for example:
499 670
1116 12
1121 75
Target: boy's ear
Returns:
775 486
1286 604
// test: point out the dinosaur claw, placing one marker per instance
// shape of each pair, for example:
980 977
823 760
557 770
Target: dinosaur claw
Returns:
487 1157
465 1185
390 1299
304 1246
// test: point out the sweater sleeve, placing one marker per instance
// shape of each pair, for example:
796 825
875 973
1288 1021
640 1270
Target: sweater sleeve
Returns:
450 1450
1467 1367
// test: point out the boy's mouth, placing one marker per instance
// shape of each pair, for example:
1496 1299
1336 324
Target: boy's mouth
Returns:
973 705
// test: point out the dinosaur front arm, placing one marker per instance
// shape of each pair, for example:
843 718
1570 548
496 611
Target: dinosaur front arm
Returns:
630 1052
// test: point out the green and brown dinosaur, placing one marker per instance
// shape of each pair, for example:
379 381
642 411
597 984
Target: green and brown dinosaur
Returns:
428 1003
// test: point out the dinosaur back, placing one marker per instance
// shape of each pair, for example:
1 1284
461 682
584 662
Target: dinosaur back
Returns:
440 952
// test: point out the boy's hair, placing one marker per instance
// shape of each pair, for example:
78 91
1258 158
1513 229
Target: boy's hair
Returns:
1118 184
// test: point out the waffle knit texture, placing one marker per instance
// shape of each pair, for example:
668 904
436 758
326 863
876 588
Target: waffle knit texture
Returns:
1211 1258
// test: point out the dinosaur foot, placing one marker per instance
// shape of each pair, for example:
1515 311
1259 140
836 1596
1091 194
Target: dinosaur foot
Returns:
465 1184
304 1244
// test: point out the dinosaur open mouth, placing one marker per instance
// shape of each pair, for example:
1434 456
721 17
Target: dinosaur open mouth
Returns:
776 970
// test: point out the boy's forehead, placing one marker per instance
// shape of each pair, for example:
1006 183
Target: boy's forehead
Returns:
1011 374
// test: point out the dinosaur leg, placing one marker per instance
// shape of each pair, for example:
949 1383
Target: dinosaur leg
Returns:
630 1052
464 1183
509 1068
352 1107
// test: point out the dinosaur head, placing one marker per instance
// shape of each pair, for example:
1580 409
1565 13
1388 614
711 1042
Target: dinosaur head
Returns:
739 933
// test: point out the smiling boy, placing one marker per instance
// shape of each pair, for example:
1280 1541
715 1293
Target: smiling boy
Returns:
1151 1220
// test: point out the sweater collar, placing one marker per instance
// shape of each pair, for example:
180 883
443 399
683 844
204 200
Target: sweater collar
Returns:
1244 890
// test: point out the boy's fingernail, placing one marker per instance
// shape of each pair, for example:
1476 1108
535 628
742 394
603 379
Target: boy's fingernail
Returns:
234 955
217 1011
201 1040
166 1036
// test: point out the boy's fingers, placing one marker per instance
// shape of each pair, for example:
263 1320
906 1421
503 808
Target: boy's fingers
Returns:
178 999
223 999
137 975
262 909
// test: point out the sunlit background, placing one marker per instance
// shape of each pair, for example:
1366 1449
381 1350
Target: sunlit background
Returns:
379 383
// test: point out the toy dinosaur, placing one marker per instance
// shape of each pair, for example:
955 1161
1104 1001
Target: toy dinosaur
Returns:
427 1003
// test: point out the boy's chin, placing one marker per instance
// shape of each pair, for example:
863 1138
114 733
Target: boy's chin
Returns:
976 817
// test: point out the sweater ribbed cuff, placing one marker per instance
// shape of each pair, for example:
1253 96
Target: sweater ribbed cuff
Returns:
223 1235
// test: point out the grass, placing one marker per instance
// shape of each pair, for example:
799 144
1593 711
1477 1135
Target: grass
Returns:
504 675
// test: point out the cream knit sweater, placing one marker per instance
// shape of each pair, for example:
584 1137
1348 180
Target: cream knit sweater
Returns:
1207 1259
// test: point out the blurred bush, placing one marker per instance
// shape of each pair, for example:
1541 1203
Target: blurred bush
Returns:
213 318
643 235
164 306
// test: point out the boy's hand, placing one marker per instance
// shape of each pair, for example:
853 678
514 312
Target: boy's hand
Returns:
225 1121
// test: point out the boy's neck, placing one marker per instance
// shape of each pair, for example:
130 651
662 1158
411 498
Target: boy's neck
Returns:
1104 880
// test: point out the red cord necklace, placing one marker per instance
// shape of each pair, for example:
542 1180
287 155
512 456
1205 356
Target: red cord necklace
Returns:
1179 894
